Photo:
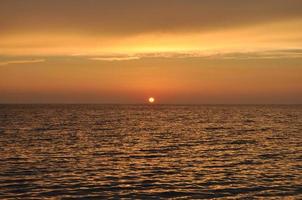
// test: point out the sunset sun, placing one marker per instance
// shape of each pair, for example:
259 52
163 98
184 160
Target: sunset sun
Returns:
151 100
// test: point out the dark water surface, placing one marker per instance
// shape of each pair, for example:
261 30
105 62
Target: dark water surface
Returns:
119 151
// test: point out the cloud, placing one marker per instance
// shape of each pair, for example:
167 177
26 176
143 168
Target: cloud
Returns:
273 54
268 54
116 58
2 63
126 17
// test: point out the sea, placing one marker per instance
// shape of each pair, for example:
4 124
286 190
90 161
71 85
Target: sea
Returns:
150 152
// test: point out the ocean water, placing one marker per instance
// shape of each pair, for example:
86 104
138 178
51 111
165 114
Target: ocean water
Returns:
150 152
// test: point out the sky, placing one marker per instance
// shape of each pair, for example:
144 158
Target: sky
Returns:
125 51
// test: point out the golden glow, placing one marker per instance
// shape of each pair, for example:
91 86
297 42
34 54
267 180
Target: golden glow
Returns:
269 36
151 100
185 53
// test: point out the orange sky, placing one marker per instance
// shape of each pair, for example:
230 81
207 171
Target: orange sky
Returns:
183 51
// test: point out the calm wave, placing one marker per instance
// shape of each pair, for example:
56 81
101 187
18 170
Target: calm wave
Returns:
119 151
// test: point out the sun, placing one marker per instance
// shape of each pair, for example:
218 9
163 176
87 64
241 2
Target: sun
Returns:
151 100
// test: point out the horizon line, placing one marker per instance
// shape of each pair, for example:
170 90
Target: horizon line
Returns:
159 104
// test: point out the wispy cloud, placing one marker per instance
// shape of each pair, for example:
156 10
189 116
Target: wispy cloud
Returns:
9 62
265 54
270 54
124 58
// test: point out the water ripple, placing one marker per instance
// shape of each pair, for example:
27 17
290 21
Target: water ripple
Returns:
150 152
